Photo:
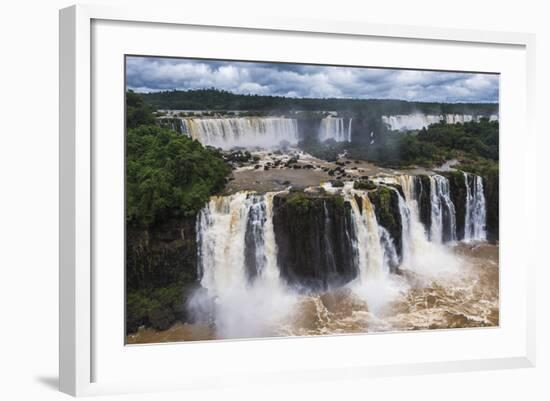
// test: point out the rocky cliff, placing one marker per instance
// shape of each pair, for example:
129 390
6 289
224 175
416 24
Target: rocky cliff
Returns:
160 271
314 240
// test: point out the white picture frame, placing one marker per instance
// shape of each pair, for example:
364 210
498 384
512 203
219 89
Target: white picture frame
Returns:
82 344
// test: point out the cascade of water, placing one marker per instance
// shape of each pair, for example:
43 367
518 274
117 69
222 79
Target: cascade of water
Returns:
419 253
255 259
475 216
333 128
414 234
221 232
370 247
238 255
247 132
183 127
237 260
271 272
443 228
375 253
406 225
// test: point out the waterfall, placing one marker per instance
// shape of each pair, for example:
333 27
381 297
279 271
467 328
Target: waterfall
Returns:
226 227
247 132
443 228
374 248
415 238
237 262
475 219
375 253
254 238
244 272
221 229
419 253
333 128
406 226
182 127
403 122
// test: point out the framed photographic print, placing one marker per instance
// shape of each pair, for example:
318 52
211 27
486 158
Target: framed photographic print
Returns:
288 200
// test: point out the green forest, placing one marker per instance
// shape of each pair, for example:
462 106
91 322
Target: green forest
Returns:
214 99
167 174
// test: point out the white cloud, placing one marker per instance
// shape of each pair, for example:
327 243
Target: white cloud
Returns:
154 74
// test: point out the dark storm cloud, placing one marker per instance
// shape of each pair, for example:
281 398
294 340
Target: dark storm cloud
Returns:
149 74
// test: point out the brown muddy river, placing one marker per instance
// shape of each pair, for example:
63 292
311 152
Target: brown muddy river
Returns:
465 298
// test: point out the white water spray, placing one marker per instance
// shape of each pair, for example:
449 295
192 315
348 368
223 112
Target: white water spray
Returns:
420 255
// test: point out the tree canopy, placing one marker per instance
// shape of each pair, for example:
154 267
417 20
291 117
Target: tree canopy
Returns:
167 174
214 99
137 111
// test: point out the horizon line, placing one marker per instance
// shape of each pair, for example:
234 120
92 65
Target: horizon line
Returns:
306 98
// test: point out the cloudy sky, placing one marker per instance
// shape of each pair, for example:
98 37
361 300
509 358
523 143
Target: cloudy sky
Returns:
151 74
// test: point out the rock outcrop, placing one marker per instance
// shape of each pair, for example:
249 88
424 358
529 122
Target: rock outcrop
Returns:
314 240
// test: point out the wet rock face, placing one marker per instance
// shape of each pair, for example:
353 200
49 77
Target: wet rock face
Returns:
314 238
160 266
159 256
366 129
386 209
490 189
423 197
309 128
457 184
172 123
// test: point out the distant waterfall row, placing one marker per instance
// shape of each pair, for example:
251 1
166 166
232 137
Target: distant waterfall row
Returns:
277 132
226 133
418 121
262 132
335 128
257 132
